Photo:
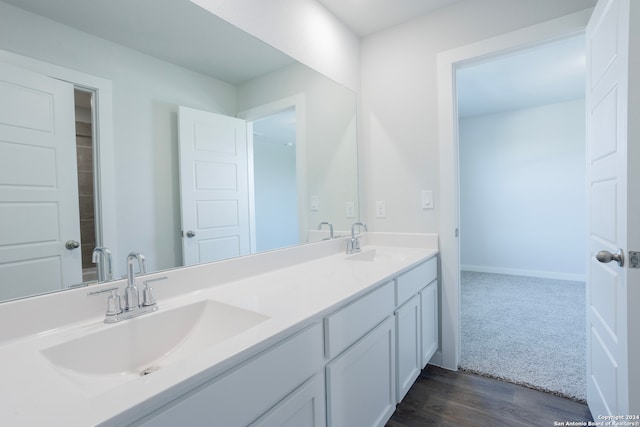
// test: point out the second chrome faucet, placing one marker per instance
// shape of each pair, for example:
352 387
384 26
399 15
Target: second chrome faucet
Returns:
353 245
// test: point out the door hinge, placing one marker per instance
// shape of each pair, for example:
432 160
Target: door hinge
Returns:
634 259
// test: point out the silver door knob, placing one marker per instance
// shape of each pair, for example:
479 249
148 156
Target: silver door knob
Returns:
606 256
191 234
72 244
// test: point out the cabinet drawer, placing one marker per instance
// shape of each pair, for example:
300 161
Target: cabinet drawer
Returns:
240 396
347 325
411 282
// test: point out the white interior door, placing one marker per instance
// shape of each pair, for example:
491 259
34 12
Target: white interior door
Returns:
38 184
214 187
612 297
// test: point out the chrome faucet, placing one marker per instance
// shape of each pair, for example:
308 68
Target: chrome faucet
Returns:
353 245
102 257
133 307
330 228
131 295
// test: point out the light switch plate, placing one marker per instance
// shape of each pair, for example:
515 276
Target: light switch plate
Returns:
427 199
315 203
349 210
381 209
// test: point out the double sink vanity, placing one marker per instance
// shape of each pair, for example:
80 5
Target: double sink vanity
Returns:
305 336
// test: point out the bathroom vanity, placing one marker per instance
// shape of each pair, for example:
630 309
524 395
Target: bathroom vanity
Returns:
306 336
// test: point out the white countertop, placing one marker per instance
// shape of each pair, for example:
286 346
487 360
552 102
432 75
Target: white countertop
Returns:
34 392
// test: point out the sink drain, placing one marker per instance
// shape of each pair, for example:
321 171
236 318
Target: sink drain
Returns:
149 370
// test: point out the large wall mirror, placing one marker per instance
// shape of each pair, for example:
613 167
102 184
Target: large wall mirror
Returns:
171 132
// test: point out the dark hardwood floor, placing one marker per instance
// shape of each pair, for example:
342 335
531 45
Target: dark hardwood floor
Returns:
445 398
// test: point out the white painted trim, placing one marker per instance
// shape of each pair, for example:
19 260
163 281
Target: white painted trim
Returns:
527 273
299 103
103 134
252 187
545 32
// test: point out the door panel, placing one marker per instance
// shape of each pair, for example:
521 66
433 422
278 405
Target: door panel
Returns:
38 184
214 188
609 379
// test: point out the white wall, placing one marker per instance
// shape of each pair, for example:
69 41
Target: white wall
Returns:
146 93
522 191
399 101
303 29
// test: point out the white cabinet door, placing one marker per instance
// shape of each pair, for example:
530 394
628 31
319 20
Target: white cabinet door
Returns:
408 358
429 320
361 381
305 407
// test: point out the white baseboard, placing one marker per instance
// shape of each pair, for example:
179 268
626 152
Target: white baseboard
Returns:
527 273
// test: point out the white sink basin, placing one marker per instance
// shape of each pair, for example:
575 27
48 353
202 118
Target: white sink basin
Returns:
376 255
142 345
369 255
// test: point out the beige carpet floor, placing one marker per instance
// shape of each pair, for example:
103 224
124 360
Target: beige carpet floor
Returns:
525 330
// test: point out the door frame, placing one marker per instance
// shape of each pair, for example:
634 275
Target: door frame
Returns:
102 133
567 26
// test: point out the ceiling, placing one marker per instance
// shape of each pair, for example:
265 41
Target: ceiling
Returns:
540 75
545 74
365 17
278 128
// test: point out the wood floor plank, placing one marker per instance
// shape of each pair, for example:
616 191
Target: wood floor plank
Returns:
445 398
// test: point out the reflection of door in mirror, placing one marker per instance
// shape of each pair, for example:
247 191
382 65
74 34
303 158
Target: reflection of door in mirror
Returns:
39 231
214 190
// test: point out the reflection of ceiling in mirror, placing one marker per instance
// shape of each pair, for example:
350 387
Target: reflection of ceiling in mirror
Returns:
278 128
176 31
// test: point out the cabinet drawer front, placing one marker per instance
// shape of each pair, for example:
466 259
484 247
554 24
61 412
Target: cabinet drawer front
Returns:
411 282
243 394
348 324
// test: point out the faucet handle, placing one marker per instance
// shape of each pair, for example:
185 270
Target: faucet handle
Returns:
114 307
148 299
147 296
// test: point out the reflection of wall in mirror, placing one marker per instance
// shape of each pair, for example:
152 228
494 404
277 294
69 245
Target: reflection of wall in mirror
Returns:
330 137
146 93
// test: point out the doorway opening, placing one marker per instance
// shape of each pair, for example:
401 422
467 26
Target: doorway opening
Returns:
521 181
86 164
275 188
